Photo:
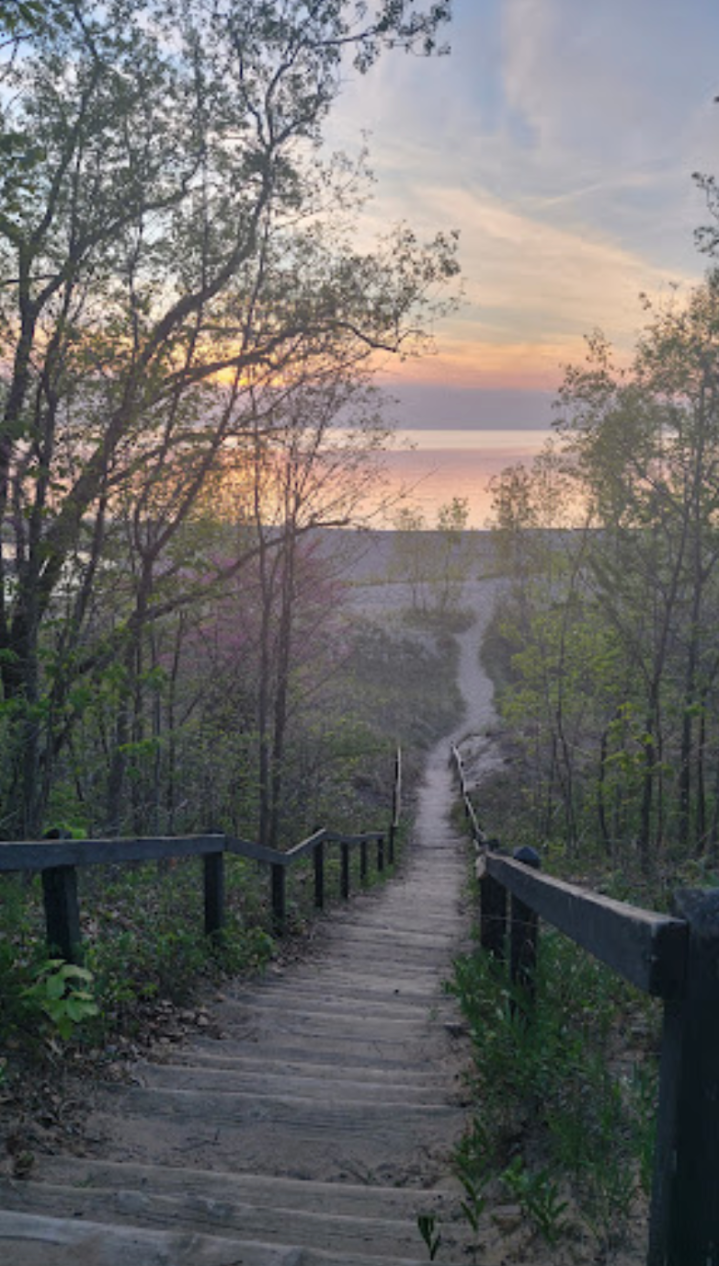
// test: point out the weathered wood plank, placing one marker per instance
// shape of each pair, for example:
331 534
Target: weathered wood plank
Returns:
214 874
478 834
524 935
319 867
53 1240
306 846
396 807
62 912
46 854
344 871
644 947
36 855
684 1224
334 837
254 852
279 899
492 915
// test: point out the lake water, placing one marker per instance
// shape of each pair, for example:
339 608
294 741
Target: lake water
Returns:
446 464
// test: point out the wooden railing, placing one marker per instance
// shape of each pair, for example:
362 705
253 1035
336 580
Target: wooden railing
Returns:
672 958
59 859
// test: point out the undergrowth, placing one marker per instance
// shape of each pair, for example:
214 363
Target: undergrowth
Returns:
143 946
564 1093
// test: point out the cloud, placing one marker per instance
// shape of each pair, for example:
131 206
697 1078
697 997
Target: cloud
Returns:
559 138
608 83
528 280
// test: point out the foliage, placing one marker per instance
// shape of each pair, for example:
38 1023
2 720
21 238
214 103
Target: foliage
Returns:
403 683
144 946
434 561
537 1194
427 1227
605 642
63 993
557 1086
179 278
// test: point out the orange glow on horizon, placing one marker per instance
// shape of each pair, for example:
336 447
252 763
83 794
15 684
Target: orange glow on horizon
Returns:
491 366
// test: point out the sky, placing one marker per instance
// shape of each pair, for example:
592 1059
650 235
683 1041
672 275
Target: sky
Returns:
559 137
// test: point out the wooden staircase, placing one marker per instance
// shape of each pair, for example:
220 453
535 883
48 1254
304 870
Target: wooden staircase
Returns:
312 1130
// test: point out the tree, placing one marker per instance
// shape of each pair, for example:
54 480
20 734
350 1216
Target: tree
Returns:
171 244
409 555
433 561
642 447
452 553
312 469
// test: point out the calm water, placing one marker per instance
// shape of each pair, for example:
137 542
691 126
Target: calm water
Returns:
446 464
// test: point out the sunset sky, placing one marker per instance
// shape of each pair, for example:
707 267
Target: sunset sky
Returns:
559 137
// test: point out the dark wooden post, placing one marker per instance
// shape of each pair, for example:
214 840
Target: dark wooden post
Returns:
214 868
396 806
523 934
492 912
62 912
380 853
279 905
684 1221
364 862
319 861
344 871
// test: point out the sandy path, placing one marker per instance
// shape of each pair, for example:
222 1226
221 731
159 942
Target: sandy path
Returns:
480 720
473 735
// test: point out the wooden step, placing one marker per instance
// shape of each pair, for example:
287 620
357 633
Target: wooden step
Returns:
312 1131
27 1240
376 1226
331 1141
300 1082
238 1057
33 1240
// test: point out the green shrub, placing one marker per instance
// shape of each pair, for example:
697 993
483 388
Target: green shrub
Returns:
62 993
556 1085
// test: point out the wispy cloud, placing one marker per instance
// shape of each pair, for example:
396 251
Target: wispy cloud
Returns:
559 138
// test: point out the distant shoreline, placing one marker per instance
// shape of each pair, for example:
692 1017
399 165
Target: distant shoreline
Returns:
368 555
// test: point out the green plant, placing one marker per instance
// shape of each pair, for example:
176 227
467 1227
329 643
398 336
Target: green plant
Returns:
473 1166
537 1194
427 1226
62 992
554 1088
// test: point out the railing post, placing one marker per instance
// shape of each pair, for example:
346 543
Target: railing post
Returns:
684 1220
319 863
396 804
214 872
62 912
523 934
364 862
279 906
380 853
492 913
344 871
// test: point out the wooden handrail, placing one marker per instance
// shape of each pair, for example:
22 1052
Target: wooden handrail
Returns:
673 958
478 834
646 948
58 861
38 855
